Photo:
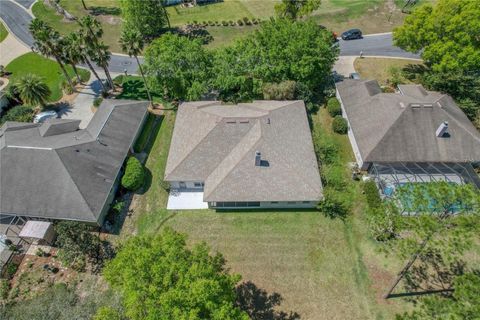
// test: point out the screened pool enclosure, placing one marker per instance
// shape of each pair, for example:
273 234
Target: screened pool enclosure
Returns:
389 176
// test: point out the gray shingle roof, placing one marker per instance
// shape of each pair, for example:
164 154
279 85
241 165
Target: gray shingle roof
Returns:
54 170
391 127
216 144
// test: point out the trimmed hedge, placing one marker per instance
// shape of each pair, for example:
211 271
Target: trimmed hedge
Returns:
333 107
134 176
340 125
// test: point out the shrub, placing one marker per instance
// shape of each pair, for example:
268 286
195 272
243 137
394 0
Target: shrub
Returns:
279 91
340 125
4 288
118 80
327 150
333 107
165 185
117 206
334 205
333 177
134 175
211 23
224 23
23 113
246 21
231 22
383 222
255 21
97 102
372 195
11 270
240 22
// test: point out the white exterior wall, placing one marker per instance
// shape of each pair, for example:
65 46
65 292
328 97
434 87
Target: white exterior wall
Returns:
351 137
189 184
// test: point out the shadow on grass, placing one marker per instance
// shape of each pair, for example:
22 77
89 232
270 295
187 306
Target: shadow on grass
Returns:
102 11
147 183
266 210
259 305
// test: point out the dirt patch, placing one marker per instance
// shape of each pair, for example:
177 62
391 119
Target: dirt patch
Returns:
113 20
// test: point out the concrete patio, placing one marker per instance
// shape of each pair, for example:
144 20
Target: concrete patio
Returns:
186 200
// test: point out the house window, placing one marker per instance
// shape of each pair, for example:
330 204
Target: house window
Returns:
198 184
291 202
274 202
306 201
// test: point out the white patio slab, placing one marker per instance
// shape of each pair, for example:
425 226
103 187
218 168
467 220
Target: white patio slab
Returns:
186 200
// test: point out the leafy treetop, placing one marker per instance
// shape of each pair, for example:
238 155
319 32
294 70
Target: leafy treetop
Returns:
446 33
160 278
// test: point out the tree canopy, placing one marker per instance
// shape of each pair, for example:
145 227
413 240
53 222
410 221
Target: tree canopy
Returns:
159 277
178 67
446 34
464 303
147 17
280 50
293 9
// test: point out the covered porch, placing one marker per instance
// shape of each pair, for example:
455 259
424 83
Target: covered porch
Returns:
186 199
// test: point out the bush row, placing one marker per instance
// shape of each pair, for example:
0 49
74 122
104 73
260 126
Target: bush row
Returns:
245 21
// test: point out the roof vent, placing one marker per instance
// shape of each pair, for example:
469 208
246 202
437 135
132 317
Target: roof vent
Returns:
258 159
442 130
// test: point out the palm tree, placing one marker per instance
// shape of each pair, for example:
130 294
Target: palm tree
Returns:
49 43
75 46
83 4
72 55
132 44
90 31
33 90
101 57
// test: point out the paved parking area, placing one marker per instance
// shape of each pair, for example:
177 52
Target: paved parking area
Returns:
186 200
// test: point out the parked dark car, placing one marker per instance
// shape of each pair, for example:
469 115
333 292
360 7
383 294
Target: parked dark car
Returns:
352 34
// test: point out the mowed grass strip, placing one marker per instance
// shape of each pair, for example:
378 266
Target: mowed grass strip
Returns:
3 32
49 70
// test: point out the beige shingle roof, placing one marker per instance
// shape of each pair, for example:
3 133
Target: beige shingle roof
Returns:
216 144
391 127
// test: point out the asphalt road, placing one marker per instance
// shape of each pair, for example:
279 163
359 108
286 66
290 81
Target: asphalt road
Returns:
374 45
18 20
26 3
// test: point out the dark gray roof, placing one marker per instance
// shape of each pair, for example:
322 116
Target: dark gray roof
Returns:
391 127
53 170
216 144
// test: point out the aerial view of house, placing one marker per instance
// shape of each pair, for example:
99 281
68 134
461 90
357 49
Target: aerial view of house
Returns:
63 173
249 155
413 135
239 159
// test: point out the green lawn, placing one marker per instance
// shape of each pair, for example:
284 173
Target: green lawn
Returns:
43 67
111 23
3 32
224 36
379 68
318 265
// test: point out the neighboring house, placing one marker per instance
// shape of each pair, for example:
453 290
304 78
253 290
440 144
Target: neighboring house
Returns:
414 135
250 155
55 171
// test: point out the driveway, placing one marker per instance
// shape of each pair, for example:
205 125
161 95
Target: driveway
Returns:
10 48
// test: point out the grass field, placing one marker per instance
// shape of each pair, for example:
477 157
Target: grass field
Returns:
371 16
379 68
3 32
321 267
43 67
111 24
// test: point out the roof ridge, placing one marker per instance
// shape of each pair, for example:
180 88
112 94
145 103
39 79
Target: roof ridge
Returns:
385 134
243 157
196 146
75 184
